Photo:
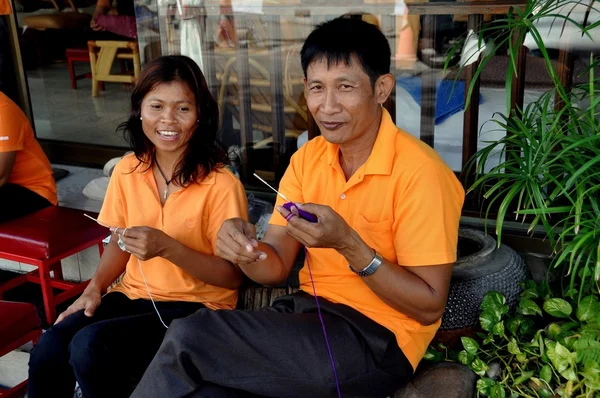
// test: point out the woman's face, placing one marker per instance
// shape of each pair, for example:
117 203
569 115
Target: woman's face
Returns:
169 116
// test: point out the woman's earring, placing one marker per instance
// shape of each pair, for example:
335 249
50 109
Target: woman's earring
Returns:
140 118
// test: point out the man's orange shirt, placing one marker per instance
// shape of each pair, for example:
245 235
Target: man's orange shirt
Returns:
404 202
31 168
5 7
192 216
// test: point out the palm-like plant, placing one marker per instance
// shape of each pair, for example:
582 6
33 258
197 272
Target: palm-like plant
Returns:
549 172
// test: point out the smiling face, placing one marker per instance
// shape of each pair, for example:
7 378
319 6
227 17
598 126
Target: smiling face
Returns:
169 116
342 100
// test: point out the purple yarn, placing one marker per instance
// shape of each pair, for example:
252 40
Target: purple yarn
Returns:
337 383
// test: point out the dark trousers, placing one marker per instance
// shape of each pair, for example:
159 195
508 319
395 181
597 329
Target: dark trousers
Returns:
17 201
107 353
279 351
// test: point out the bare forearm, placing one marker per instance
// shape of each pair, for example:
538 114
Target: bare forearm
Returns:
270 271
394 285
112 264
102 6
210 269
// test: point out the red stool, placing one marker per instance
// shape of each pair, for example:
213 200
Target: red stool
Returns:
42 239
78 55
19 325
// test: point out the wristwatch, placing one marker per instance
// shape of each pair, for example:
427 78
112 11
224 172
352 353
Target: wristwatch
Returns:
371 268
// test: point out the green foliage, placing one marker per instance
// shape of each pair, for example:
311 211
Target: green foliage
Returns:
548 173
559 360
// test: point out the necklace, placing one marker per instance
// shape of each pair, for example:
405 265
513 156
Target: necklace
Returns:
167 182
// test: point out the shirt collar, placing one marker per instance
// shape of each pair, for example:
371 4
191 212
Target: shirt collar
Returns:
381 159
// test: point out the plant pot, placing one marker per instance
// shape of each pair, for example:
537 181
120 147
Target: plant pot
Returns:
481 267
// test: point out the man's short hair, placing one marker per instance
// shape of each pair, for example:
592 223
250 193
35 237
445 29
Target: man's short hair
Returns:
341 38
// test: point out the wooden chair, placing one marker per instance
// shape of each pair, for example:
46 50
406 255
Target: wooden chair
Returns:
103 54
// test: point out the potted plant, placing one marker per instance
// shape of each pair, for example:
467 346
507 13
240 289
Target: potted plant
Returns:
548 177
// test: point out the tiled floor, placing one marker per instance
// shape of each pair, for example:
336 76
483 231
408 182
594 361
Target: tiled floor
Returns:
61 113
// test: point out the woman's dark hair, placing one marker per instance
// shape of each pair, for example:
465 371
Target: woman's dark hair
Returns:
341 38
204 152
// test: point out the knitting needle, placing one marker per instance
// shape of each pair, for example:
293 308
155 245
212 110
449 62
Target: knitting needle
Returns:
276 191
99 222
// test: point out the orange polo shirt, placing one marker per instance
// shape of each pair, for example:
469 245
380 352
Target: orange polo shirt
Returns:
5 7
192 216
404 202
31 168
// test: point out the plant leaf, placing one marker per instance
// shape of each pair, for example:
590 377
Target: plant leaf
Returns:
488 319
524 377
465 358
588 309
558 307
546 373
513 347
529 307
494 301
479 367
498 329
470 345
497 391
484 385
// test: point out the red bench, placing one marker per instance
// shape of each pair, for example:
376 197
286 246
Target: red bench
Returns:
42 239
19 325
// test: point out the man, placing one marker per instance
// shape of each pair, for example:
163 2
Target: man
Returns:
380 254
26 181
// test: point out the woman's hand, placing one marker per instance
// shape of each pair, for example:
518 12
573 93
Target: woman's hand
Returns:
144 242
88 301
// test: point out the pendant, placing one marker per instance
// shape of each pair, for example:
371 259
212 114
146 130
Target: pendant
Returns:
166 192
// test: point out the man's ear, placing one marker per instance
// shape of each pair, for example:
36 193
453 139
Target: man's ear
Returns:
383 87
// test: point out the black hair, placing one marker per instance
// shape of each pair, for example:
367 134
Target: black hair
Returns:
341 38
204 152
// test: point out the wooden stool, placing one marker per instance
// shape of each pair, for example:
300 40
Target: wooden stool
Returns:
103 54
42 239
20 324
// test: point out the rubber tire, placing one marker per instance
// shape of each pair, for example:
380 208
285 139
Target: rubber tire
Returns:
489 269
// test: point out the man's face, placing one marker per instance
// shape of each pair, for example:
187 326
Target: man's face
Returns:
341 100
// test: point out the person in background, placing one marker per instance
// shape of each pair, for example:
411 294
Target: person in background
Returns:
107 26
26 181
165 203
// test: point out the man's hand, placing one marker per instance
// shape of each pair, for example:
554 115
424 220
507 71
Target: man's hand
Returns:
88 301
331 231
144 242
236 242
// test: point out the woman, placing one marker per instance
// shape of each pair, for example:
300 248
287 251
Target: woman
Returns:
164 204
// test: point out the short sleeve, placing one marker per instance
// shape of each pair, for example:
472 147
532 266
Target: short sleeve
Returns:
13 128
113 212
427 217
290 186
232 203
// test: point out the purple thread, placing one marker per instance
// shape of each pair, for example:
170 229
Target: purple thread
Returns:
337 383
289 216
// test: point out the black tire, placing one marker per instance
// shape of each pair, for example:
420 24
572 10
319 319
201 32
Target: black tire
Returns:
481 267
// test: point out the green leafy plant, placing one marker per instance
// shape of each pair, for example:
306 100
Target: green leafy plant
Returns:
549 169
515 357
